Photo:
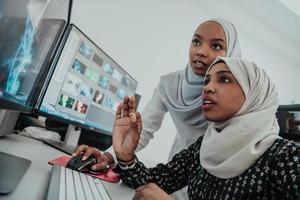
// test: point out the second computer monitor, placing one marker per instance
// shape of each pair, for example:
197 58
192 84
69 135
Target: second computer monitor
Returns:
86 85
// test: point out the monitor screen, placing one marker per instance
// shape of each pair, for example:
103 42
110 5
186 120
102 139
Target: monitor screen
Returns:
288 117
27 41
86 86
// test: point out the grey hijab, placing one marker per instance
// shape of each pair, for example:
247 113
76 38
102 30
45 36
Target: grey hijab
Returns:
182 95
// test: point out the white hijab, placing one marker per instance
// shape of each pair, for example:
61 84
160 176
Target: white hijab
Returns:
246 136
183 95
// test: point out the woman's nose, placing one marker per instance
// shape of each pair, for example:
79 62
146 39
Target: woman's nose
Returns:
209 88
202 51
205 90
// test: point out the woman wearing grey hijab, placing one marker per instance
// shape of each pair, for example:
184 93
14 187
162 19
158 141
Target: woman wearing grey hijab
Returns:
240 156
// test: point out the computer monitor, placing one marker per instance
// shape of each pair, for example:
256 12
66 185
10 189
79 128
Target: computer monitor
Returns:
288 117
26 50
29 35
86 86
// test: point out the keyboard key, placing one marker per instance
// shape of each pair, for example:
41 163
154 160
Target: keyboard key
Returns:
70 189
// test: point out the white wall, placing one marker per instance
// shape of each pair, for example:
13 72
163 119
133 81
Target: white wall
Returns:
151 38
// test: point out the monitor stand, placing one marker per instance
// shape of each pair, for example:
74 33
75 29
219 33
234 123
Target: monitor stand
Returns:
69 144
12 168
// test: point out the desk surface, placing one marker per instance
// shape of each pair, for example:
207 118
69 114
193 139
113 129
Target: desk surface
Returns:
35 182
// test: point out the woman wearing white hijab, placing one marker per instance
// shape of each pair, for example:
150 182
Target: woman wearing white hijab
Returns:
179 93
240 156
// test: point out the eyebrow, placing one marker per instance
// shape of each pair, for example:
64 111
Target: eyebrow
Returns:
220 72
214 40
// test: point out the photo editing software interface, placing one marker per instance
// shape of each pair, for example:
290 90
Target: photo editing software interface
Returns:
86 86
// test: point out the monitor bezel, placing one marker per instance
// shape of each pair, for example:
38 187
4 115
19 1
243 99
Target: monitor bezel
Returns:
51 72
9 105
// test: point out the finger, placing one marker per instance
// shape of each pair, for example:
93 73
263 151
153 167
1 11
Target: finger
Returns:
119 111
99 166
136 123
152 185
131 104
139 121
79 149
126 98
125 107
125 110
132 117
137 196
91 151
141 188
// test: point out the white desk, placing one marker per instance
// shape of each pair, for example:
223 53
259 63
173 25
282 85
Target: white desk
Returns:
35 182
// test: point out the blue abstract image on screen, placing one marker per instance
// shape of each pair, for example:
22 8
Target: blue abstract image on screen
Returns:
16 55
21 60
30 32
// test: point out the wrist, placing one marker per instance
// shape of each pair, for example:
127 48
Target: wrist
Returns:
127 164
122 157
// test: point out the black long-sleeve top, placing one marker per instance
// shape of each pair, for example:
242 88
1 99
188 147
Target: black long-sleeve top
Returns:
275 175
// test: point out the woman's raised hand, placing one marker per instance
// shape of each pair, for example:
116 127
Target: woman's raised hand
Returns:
127 129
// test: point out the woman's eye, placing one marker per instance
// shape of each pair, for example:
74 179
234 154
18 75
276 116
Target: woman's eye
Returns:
217 46
224 80
196 42
206 81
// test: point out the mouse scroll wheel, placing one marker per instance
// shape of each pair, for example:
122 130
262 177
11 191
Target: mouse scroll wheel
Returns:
94 161
90 162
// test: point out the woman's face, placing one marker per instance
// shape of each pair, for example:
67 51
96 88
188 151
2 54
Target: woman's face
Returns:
222 95
208 42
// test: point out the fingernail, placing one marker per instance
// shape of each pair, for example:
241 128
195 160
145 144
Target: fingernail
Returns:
94 167
84 158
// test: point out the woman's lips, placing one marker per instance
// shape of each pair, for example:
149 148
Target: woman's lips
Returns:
199 64
208 103
208 106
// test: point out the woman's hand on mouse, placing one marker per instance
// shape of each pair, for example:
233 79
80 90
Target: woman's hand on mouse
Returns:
127 129
103 159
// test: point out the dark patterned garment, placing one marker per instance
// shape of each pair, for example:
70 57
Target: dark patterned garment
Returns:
275 175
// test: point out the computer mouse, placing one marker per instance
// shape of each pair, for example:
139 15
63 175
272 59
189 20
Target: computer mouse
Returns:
76 163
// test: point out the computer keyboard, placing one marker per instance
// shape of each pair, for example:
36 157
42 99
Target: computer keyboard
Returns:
69 184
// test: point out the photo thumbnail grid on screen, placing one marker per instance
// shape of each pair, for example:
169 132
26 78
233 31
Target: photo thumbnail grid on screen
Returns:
87 85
